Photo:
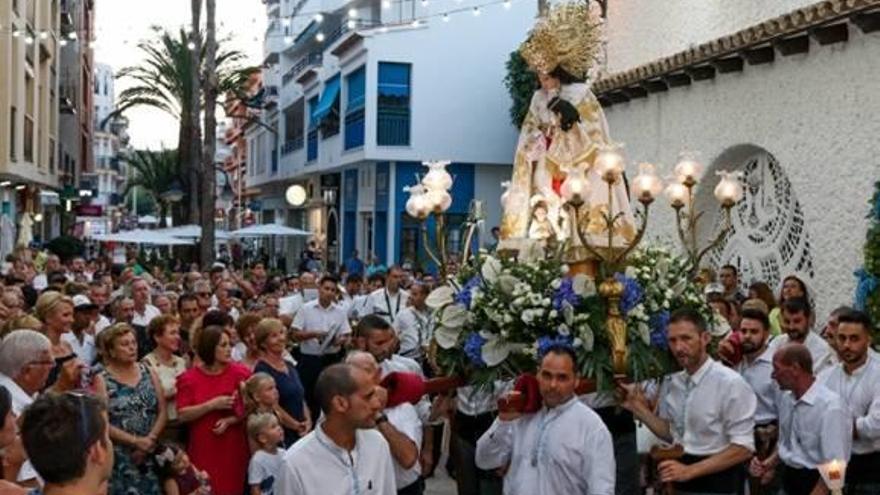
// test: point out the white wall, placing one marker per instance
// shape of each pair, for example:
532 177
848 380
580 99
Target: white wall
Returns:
487 188
816 113
641 31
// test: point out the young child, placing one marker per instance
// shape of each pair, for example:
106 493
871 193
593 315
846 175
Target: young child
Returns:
261 396
264 432
178 475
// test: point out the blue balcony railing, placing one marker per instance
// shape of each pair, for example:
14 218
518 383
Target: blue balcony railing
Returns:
312 146
393 127
354 129
313 59
292 145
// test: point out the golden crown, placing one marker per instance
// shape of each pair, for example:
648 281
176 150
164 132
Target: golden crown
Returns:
569 37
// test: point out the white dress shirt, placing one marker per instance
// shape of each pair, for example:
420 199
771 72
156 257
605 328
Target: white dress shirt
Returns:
814 429
289 305
709 410
406 420
357 306
860 392
144 319
758 374
398 363
84 350
315 465
386 305
566 450
474 401
414 331
102 324
20 401
316 318
822 353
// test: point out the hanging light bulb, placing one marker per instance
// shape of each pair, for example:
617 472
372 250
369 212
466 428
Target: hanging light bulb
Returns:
415 23
44 35
29 40
288 40
575 186
319 37
476 11
62 42
352 13
386 4
351 24
191 45
424 3
677 194
319 18
507 4
445 17
16 33
285 22
688 169
383 29
71 35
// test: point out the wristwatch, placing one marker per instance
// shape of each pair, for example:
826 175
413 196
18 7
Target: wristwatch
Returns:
382 418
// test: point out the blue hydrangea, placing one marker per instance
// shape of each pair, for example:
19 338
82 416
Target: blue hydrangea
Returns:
659 325
465 295
545 341
632 293
565 293
473 349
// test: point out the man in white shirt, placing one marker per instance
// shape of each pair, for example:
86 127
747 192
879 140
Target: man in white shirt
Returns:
756 367
564 448
320 327
144 312
25 364
81 337
344 454
796 316
356 303
41 280
857 380
390 300
815 426
99 294
413 324
707 408
401 427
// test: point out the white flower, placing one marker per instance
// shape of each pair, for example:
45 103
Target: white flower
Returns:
508 319
545 302
631 272
585 333
446 337
583 286
439 297
495 351
563 330
568 313
555 284
645 333
491 270
453 316
553 314
564 269
508 284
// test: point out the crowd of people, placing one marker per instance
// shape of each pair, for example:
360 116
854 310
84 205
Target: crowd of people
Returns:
228 381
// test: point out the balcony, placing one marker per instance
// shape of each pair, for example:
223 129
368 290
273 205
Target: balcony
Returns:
354 129
312 60
393 127
292 145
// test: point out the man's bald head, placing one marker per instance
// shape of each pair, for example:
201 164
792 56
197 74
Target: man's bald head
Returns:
796 355
366 362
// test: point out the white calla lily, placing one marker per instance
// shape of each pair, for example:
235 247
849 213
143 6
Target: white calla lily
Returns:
532 252
453 316
645 333
587 337
507 283
490 270
495 351
568 313
439 297
447 337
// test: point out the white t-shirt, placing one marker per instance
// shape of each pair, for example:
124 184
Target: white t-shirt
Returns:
315 318
85 351
264 469
144 319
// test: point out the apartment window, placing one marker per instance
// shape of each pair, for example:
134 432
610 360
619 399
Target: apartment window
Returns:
355 84
28 139
327 111
294 127
312 144
393 110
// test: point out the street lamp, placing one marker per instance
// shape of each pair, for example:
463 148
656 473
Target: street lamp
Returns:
295 195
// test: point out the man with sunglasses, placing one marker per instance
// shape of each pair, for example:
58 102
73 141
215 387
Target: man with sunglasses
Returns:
67 439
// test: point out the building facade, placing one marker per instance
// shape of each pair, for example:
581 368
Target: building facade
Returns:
106 180
780 91
30 34
365 95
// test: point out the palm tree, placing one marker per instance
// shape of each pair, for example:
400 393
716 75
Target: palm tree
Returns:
164 82
210 86
155 173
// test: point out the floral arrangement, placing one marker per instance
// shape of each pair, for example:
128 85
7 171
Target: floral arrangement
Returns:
499 314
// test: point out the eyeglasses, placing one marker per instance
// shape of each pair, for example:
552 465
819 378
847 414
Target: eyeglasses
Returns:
42 362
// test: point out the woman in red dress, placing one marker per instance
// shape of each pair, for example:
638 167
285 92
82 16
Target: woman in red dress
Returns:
208 400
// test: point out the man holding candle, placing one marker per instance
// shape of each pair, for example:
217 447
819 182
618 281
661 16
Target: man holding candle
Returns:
707 408
857 380
815 426
564 448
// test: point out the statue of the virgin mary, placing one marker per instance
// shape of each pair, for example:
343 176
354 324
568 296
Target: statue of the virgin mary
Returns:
564 128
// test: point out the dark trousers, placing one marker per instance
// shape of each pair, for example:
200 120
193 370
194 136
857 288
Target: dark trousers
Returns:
797 481
470 479
417 488
309 368
622 426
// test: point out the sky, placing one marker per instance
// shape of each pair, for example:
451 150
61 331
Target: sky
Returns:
121 24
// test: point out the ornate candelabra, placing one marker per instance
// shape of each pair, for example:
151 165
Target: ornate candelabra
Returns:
681 197
430 197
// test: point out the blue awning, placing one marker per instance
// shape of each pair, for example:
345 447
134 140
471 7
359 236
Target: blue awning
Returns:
328 97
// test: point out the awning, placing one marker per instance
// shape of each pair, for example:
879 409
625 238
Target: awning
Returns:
328 97
270 229
49 198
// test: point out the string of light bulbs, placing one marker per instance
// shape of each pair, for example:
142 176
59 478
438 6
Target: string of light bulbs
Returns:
353 22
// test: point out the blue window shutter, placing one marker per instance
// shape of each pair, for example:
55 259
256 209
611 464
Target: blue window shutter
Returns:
357 86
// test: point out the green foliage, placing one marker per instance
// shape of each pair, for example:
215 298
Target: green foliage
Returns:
66 247
145 203
521 83
154 173
868 289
